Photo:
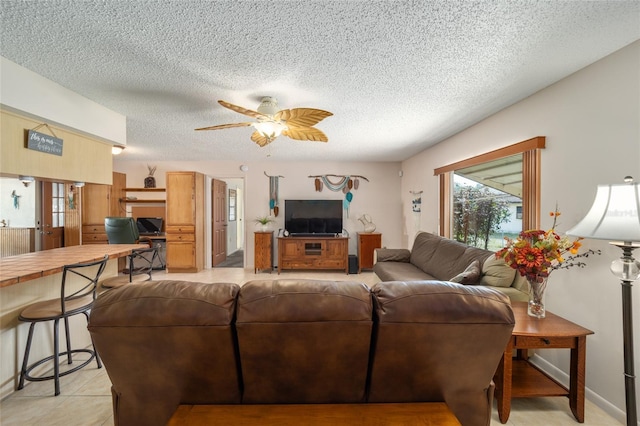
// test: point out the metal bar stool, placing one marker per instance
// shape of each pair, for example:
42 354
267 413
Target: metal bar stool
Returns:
71 302
141 263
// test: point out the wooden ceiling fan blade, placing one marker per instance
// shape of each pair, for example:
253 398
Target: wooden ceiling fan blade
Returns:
302 116
225 126
305 133
241 110
261 140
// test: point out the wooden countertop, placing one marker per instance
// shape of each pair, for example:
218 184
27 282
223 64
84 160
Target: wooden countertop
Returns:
30 266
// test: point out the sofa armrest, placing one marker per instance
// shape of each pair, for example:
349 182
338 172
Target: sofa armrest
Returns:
392 255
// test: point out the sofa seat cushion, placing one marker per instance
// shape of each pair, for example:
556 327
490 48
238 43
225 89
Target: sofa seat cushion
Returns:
393 271
304 341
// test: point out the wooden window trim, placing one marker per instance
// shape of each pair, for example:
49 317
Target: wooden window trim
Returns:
530 150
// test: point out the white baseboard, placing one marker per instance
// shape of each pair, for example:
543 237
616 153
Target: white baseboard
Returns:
590 395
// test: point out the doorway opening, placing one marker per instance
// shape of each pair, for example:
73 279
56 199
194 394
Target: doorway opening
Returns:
227 223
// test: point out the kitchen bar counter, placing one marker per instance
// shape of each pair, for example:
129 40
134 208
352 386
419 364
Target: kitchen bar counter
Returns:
32 277
30 266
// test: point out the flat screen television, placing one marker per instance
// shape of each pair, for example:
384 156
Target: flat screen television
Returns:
313 217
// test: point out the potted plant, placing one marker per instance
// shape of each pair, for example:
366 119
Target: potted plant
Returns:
264 221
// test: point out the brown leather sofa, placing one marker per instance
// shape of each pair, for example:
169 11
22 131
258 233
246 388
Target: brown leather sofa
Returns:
294 341
433 257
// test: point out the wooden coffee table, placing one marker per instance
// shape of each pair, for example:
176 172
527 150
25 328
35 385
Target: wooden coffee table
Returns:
408 414
517 378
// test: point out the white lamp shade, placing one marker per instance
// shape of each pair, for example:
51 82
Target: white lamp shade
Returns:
613 215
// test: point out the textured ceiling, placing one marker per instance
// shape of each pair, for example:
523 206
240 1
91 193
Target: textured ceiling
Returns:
398 76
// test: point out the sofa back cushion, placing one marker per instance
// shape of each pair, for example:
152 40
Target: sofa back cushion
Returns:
444 258
439 341
304 341
165 343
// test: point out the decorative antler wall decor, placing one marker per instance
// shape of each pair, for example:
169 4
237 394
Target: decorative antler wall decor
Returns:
345 184
273 193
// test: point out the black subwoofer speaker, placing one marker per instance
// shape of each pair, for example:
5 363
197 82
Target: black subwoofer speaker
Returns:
353 264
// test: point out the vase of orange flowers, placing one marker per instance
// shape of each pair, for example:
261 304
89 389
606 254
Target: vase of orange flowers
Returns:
537 253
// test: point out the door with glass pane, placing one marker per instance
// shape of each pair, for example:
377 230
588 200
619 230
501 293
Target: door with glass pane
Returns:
52 220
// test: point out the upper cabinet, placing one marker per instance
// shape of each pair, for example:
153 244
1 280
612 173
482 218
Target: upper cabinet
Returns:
98 202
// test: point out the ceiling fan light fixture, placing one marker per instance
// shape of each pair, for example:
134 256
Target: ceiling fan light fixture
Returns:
268 106
270 129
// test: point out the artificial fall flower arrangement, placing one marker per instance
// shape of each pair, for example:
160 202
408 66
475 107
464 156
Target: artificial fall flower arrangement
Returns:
536 253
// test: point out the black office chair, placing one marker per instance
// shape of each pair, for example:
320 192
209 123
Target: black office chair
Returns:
123 230
72 301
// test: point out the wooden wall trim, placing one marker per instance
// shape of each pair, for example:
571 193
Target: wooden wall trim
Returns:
530 144
531 155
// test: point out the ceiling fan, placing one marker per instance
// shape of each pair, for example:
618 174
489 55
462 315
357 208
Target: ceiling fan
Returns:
296 123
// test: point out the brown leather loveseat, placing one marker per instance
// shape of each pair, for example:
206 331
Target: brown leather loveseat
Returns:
294 341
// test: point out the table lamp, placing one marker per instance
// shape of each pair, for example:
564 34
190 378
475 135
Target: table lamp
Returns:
614 217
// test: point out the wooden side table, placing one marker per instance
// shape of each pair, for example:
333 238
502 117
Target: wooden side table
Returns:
368 242
263 251
519 378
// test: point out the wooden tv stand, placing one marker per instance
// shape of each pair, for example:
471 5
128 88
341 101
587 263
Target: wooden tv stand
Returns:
313 253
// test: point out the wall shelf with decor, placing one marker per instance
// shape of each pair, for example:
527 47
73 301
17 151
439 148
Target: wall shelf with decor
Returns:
145 189
129 200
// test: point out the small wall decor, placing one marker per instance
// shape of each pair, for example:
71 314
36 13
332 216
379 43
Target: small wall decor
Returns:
416 204
71 195
417 201
273 194
16 199
345 183
44 143
150 181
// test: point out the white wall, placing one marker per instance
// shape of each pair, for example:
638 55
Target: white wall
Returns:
25 215
37 96
379 197
591 121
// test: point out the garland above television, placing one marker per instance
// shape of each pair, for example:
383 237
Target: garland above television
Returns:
345 183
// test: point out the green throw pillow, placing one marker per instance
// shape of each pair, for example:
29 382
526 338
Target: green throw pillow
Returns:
495 272
469 275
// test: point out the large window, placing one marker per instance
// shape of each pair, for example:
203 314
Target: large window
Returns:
491 195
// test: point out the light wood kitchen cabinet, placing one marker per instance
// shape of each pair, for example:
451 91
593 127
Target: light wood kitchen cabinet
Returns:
185 222
98 202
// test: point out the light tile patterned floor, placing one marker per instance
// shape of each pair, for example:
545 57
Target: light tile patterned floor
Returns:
85 397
